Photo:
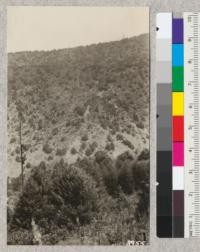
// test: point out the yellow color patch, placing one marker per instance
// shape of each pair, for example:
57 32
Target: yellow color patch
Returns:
177 103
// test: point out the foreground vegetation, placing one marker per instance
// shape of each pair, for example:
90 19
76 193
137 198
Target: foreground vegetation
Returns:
90 202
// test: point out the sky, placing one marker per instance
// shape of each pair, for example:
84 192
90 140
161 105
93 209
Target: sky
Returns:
32 28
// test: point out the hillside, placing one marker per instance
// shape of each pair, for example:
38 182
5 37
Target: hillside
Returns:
75 104
100 89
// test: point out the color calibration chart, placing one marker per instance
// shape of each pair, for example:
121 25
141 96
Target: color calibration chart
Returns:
178 125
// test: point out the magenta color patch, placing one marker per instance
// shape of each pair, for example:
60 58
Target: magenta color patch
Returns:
178 153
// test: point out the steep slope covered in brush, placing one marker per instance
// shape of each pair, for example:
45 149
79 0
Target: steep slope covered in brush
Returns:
97 92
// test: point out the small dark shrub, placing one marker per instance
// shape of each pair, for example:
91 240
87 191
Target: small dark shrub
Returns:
47 148
63 139
40 124
50 157
84 137
144 155
119 137
128 143
91 149
93 146
17 150
61 152
67 124
18 159
12 140
53 121
73 151
110 146
83 146
100 156
109 138
88 152
55 131
126 156
79 110
26 147
140 125
135 117
28 165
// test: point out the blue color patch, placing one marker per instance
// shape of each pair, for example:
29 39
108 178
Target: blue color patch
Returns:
177 55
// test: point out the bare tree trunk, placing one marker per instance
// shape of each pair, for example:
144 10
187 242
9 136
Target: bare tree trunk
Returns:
21 155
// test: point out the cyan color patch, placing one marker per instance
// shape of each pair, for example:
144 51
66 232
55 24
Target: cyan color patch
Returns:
177 55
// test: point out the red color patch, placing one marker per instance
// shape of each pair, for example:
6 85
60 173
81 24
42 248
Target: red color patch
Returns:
178 128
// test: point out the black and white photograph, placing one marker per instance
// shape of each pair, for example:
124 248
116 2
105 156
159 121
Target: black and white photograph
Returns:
78 168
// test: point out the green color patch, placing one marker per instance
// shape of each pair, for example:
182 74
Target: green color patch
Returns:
178 79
